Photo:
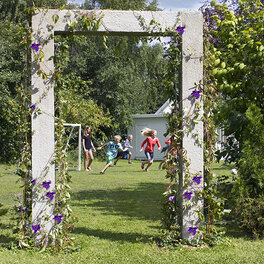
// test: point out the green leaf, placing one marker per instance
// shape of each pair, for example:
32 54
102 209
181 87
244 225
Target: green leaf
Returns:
55 18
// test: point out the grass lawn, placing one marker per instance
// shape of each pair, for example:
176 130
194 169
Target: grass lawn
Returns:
119 213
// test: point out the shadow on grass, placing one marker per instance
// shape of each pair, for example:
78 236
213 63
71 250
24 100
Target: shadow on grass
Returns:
223 166
233 230
131 172
6 241
143 201
5 238
114 236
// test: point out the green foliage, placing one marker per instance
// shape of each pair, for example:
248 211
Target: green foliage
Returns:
13 10
3 211
251 168
238 60
119 83
78 109
123 78
250 185
49 3
12 63
121 5
14 72
238 57
250 213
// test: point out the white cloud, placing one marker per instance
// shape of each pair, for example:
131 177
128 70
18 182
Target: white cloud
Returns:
75 1
180 4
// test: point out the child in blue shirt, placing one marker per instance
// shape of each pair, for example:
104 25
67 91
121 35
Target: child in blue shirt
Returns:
113 147
126 146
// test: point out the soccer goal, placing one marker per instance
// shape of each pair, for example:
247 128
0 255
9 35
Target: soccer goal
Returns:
74 132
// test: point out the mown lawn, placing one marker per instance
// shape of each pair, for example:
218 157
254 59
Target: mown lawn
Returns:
119 213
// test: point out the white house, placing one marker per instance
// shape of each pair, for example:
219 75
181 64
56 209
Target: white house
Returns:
157 121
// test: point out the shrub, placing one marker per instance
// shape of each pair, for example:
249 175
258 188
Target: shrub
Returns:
250 184
251 212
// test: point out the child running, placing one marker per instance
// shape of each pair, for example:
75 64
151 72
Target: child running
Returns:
168 149
87 148
126 146
151 141
113 147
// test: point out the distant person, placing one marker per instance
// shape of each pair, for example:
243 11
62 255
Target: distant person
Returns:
113 147
168 149
88 148
126 147
151 141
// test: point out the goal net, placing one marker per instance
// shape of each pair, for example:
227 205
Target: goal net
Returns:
73 146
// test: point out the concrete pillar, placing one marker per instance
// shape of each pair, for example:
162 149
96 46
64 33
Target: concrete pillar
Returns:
42 128
192 72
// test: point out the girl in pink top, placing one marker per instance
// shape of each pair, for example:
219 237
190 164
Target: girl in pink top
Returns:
151 141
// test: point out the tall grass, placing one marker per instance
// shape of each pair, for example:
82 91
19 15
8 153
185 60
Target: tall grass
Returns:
119 215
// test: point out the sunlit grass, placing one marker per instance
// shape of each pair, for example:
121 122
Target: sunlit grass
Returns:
222 168
119 213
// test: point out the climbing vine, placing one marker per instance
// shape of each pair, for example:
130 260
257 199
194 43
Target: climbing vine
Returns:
176 163
33 234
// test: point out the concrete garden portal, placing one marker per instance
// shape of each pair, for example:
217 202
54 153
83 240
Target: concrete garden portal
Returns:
113 23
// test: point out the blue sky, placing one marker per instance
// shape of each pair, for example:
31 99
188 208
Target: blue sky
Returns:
180 4
168 5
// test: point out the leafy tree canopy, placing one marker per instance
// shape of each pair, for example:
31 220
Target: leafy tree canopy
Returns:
237 34
121 4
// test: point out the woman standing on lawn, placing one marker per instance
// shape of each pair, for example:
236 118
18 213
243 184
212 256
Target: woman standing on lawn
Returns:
151 141
88 148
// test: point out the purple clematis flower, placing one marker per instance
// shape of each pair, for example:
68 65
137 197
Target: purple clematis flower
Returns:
188 195
35 228
172 198
196 94
59 203
33 181
35 46
58 218
197 179
193 230
50 195
21 209
32 106
180 29
46 184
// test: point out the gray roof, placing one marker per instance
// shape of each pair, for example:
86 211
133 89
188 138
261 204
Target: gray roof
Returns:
159 113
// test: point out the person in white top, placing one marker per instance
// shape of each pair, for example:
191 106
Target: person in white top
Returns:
126 146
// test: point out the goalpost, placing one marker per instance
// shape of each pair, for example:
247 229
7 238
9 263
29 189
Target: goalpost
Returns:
79 142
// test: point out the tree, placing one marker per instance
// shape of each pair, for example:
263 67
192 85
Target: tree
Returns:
117 81
14 10
12 68
15 76
121 5
237 35
237 55
124 78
